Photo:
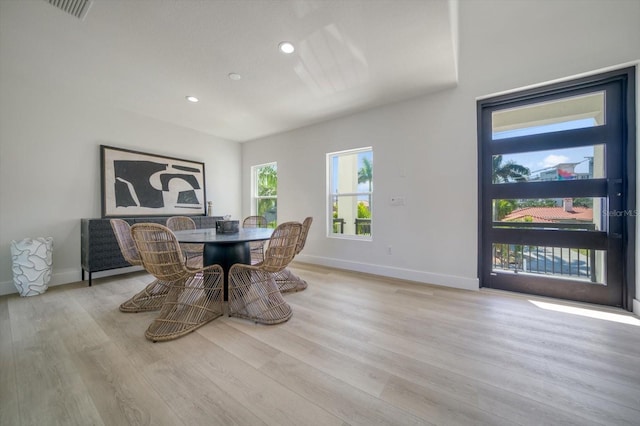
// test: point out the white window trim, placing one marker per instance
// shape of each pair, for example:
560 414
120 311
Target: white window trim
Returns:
329 197
254 186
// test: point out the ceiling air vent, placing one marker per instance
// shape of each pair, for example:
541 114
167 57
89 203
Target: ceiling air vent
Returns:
77 8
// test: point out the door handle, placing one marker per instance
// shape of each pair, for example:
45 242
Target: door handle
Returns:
615 187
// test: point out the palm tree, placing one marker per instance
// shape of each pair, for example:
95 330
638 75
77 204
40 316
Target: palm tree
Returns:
365 174
267 181
508 171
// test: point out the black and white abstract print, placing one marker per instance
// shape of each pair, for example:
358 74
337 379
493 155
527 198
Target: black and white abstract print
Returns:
136 183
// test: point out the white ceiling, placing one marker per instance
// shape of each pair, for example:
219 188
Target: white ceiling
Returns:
145 56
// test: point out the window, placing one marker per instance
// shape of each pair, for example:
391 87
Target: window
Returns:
349 207
265 192
568 113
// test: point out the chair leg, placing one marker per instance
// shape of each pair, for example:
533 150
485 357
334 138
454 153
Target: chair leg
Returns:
288 282
149 299
153 295
190 304
254 295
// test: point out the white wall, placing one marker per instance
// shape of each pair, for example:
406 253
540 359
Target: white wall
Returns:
50 165
425 149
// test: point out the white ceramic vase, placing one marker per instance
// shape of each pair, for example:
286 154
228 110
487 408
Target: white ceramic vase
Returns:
32 260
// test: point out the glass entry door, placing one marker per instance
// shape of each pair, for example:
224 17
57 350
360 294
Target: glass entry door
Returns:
555 191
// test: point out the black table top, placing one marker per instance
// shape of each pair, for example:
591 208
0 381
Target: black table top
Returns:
209 235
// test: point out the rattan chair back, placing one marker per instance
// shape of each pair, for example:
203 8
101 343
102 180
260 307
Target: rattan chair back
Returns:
122 231
282 247
159 250
184 223
180 223
256 247
306 224
254 222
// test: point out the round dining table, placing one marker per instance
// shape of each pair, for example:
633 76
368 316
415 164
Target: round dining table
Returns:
224 249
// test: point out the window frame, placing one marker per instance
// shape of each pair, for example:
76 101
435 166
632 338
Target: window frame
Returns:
330 196
255 198
623 80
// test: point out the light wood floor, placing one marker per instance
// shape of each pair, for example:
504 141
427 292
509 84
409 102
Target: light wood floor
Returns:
359 350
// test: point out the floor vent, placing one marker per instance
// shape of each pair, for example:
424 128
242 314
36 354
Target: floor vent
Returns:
77 8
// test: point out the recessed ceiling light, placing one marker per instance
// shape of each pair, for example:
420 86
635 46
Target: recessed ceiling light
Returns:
192 99
234 76
286 47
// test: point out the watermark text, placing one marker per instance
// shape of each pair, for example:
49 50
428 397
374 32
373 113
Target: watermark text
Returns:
622 213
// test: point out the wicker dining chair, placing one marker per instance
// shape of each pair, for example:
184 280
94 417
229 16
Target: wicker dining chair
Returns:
195 296
184 223
287 281
253 292
256 247
153 295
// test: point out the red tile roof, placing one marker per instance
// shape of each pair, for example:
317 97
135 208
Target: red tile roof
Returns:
551 214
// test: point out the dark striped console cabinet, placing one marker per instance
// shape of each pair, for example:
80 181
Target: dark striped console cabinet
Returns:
100 250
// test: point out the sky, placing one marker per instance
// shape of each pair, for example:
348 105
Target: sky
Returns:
539 160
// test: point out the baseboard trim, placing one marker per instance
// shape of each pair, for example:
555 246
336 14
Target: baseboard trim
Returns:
636 307
70 275
393 272
7 287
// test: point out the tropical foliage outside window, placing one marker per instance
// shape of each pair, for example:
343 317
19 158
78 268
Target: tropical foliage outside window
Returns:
350 175
509 171
265 192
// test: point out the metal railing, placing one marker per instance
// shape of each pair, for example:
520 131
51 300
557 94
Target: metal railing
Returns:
363 226
338 226
558 261
571 262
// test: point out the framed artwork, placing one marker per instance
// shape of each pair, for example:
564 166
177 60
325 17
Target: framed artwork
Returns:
141 184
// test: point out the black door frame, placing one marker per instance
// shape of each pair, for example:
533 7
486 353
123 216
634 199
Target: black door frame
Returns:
622 80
